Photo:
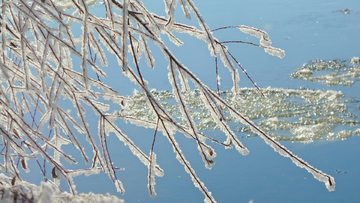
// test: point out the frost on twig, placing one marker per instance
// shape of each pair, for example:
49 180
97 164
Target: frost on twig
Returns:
44 63
265 42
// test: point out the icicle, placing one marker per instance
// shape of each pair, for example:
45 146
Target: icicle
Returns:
68 58
25 65
181 158
10 141
110 43
283 151
149 19
147 51
262 35
170 10
138 47
208 38
84 47
319 175
7 156
52 16
275 52
185 9
218 118
97 106
187 117
4 70
110 127
184 78
3 35
151 167
119 186
109 12
125 35
86 172
222 50
98 50
264 40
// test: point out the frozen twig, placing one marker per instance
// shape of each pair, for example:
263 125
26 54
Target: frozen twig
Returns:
43 62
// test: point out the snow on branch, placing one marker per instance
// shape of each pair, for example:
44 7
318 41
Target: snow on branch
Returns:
50 97
264 40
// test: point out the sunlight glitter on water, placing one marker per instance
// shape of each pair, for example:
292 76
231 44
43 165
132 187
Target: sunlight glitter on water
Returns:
293 115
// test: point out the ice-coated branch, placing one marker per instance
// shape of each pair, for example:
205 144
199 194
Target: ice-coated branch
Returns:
45 66
265 42
207 158
151 166
319 175
125 34
209 38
